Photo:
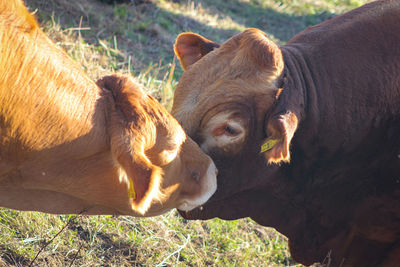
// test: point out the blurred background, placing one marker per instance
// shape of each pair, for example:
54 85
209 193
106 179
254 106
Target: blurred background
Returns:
137 37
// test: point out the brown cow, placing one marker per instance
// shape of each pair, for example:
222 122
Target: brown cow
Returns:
324 111
69 146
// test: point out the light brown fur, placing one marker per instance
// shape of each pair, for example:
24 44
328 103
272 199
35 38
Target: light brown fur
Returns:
69 146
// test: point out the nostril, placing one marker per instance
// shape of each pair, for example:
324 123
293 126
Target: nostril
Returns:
196 176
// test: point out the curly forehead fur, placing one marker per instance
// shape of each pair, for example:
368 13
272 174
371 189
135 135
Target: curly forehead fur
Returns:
240 72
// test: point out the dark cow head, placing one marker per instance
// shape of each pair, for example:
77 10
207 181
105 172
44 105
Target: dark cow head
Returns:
225 101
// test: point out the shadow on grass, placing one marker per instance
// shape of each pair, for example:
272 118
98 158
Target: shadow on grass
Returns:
147 32
280 23
12 258
110 245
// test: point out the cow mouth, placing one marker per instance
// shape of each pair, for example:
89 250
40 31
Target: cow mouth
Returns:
195 214
216 208
206 210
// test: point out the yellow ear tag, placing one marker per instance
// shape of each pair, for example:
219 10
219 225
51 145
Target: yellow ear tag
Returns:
131 190
268 145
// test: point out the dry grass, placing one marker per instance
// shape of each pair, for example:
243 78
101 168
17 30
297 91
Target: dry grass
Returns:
138 39
126 241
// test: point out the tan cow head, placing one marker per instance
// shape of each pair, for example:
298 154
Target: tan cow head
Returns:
165 168
225 98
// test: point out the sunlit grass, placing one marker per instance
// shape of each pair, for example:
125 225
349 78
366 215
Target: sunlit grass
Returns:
162 240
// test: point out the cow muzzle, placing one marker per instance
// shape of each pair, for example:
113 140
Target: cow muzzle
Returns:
208 188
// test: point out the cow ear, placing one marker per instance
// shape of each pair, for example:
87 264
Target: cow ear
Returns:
190 47
127 118
280 130
143 179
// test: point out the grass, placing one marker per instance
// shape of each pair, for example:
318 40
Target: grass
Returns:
138 39
126 241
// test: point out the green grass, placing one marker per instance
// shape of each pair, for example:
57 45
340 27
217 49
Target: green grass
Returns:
139 39
125 241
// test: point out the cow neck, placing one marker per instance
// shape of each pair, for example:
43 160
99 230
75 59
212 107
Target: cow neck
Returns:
296 96
295 83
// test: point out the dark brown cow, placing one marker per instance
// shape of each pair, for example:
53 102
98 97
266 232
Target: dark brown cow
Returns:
324 111
68 146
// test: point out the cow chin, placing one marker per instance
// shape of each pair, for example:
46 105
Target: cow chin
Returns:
230 208
209 211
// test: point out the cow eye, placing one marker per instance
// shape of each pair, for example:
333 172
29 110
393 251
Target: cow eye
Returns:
225 129
230 131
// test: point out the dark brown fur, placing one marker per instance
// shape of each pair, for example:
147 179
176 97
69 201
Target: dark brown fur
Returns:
337 120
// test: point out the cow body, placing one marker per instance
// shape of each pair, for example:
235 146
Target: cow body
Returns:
68 145
330 101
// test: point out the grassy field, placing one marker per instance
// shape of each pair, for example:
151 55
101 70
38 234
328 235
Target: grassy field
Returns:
138 38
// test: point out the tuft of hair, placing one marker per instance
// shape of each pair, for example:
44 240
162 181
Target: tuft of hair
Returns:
18 15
